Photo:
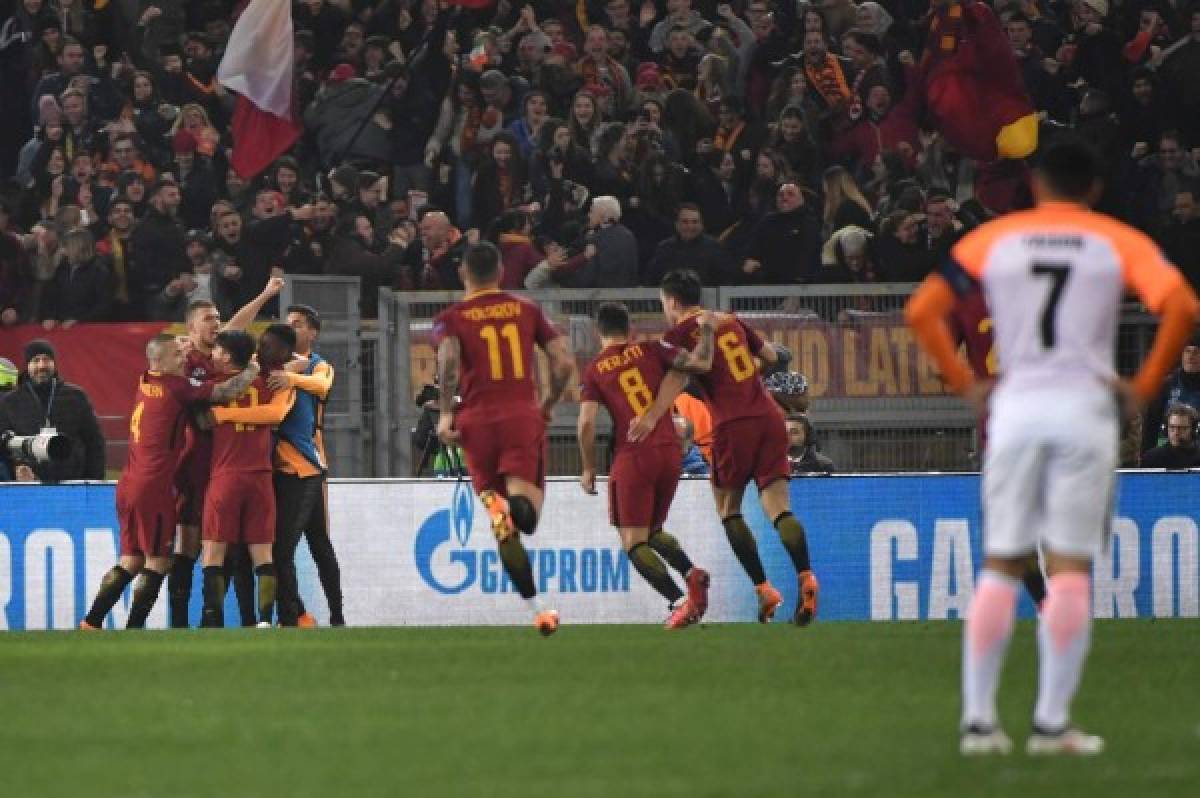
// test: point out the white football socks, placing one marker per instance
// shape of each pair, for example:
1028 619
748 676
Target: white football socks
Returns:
1064 635
985 642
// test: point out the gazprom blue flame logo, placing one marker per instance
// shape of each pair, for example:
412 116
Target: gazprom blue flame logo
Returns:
436 531
449 564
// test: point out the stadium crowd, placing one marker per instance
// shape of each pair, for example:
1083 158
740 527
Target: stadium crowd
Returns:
599 144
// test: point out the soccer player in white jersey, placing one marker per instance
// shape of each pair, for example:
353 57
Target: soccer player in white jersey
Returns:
1053 277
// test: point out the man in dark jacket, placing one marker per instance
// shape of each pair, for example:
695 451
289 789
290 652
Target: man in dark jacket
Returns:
1181 387
255 249
431 261
690 248
1180 450
1180 239
610 259
785 246
43 399
159 249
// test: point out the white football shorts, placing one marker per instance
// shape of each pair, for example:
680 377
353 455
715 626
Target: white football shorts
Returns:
1049 474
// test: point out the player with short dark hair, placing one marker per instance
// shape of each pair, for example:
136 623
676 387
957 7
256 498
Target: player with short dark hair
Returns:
203 322
1054 277
750 439
625 377
485 345
239 505
301 467
146 506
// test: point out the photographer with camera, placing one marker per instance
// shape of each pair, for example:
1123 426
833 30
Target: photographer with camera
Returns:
48 425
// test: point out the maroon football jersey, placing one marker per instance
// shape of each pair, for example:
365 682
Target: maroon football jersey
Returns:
971 326
244 447
732 389
156 428
497 332
199 366
625 379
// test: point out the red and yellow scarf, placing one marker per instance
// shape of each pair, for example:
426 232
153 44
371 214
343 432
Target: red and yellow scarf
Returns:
829 80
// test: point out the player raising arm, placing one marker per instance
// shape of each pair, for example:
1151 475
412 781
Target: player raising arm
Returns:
624 378
485 354
750 440
1053 278
239 505
203 322
146 506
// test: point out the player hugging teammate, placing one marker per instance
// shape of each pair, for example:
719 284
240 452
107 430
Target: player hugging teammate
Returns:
638 384
233 401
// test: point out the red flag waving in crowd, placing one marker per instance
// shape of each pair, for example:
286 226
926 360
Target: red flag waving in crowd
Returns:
258 66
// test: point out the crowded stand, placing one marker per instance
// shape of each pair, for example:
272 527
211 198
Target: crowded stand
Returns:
598 144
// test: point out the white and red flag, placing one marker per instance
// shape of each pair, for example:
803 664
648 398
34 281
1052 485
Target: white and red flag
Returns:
258 66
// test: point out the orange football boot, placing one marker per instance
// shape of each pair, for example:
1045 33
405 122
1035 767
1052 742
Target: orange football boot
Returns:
769 600
683 615
806 609
698 581
497 508
546 622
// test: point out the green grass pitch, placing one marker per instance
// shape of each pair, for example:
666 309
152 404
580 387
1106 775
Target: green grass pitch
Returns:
727 710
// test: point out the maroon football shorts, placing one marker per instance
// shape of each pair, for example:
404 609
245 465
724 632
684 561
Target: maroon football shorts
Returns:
506 447
239 507
750 448
193 481
641 485
146 513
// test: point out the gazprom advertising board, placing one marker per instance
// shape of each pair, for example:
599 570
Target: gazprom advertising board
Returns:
900 547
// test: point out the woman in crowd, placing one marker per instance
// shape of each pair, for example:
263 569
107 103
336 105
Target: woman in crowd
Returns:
713 84
526 129
844 202
285 176
501 182
556 145
793 141
152 118
584 119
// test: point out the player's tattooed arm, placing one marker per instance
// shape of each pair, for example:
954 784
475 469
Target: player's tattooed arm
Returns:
562 366
236 385
449 358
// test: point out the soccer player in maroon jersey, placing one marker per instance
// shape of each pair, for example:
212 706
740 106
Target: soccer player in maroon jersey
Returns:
971 326
239 504
146 505
749 437
203 322
485 346
625 377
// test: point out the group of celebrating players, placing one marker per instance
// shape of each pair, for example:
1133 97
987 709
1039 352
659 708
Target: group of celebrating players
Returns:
225 440
485 351
1048 475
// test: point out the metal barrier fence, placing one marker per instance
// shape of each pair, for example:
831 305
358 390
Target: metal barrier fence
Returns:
877 402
